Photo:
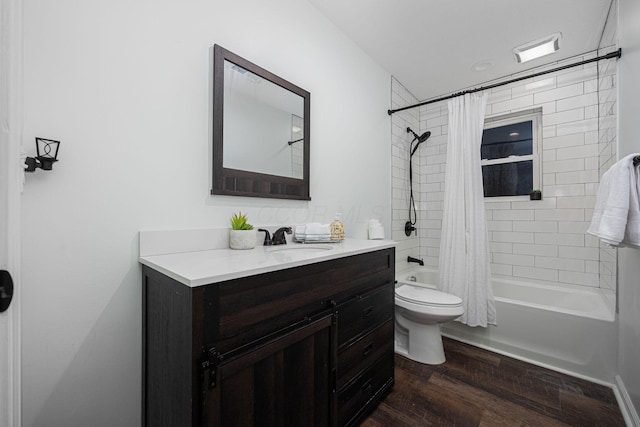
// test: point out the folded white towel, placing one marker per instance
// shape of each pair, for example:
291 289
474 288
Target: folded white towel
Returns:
616 216
318 239
317 229
313 232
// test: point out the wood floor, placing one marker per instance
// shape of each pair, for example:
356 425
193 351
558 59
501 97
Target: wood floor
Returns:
475 387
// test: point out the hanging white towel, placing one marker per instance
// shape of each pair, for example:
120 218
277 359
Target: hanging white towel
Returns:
632 233
616 216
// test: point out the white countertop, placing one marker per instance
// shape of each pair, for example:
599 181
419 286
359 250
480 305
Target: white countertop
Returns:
210 266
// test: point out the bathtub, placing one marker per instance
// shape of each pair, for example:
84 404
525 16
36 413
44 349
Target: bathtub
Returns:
567 329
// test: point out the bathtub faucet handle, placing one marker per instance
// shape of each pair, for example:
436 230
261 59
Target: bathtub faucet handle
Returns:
416 260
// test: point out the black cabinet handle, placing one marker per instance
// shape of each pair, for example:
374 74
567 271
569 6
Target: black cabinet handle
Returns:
367 311
367 350
6 290
367 385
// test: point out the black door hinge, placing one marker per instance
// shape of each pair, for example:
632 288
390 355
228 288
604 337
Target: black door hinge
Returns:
334 309
209 368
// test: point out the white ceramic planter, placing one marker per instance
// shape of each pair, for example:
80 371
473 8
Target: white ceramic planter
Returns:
242 239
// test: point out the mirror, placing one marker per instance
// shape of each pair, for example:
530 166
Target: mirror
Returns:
260 131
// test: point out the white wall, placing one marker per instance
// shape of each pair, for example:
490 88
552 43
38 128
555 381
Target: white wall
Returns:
629 142
126 87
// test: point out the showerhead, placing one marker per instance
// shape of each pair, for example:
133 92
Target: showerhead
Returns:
421 138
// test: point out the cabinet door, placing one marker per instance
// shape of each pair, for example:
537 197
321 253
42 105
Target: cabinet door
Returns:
285 382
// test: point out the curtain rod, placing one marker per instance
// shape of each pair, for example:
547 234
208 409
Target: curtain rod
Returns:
616 54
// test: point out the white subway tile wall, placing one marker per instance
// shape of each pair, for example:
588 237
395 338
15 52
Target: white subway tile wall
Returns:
400 139
607 135
534 240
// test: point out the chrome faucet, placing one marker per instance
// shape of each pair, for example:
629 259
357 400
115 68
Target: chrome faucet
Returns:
416 260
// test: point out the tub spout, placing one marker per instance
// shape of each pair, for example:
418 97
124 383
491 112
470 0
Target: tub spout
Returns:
416 260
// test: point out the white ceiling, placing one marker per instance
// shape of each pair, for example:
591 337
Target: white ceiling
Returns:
431 46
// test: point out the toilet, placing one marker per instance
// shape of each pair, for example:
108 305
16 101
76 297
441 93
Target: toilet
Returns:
419 313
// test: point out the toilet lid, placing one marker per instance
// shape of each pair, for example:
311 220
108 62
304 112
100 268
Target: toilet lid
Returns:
426 296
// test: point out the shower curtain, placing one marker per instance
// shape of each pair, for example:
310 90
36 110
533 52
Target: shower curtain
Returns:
464 267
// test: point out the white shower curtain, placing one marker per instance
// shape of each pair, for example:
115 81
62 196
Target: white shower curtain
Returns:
464 267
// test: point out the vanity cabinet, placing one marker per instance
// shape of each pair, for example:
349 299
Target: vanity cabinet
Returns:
310 345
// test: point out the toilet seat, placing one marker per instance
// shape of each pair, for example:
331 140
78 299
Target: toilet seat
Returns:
426 297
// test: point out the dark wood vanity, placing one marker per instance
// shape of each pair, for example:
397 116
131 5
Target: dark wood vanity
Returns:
310 345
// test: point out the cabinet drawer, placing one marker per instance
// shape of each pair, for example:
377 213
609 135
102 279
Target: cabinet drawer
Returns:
364 313
241 310
362 353
360 396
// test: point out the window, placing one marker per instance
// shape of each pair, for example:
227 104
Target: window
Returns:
510 161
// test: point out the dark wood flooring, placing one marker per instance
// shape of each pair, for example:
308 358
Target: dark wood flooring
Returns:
475 387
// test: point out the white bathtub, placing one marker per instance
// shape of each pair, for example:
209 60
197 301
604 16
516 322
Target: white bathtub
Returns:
568 329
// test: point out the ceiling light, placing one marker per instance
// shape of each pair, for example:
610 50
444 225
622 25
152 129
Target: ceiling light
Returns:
483 65
537 48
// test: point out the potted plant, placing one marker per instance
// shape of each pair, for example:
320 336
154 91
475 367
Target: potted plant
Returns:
535 195
242 234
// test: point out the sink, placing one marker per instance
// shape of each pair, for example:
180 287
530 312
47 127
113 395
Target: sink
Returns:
299 248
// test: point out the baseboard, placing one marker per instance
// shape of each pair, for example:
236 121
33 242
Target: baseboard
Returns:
626 405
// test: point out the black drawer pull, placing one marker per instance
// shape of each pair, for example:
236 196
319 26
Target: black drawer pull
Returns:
367 386
367 311
367 350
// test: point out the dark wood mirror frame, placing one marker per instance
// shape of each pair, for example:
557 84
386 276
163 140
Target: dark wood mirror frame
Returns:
235 182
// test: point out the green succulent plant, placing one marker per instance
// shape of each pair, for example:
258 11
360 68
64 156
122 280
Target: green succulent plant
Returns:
239 222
